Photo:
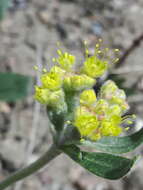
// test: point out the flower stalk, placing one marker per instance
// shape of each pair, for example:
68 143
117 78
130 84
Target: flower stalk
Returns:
32 168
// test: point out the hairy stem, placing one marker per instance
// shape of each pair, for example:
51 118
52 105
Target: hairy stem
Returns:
25 172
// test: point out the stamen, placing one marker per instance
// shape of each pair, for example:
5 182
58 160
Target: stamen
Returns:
59 52
127 128
54 59
36 68
86 49
99 51
44 70
97 45
116 50
116 60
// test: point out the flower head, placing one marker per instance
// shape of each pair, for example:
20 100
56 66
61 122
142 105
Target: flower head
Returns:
41 95
94 67
51 81
104 113
53 99
95 116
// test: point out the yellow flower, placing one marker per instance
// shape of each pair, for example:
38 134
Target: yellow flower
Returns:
114 110
87 97
101 107
111 127
87 125
98 120
82 110
65 60
42 95
94 67
78 82
53 99
51 80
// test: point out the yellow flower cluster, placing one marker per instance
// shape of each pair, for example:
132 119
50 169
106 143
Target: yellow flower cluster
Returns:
101 116
61 77
95 117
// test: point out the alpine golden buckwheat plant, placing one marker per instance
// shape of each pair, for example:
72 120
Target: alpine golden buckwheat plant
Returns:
81 117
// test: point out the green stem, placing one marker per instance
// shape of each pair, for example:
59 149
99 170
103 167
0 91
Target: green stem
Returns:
42 161
72 100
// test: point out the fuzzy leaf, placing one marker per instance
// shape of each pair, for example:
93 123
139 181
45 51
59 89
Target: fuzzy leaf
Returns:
13 86
117 145
101 164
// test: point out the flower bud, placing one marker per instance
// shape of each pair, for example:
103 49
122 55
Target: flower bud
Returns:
114 95
42 94
108 89
87 97
51 81
53 99
78 82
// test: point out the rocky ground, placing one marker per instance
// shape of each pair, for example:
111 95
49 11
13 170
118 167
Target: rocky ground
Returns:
28 36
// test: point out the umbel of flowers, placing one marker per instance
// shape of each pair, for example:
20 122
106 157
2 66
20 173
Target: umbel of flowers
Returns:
70 93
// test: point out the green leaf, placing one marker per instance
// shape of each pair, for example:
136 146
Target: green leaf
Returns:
14 86
117 145
101 164
4 4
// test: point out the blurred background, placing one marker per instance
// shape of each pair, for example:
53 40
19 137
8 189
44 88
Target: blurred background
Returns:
29 32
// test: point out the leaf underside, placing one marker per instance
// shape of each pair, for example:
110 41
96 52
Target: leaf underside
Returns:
117 145
101 164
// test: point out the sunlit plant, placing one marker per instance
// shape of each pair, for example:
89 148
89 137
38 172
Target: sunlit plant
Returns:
81 117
